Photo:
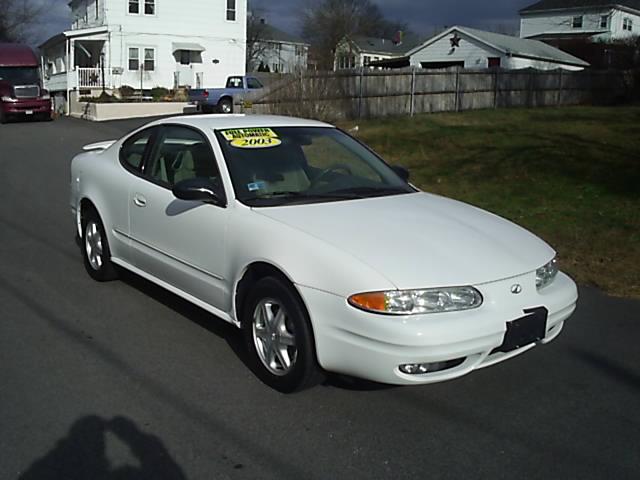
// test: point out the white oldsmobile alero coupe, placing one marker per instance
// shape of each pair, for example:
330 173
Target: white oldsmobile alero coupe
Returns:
322 254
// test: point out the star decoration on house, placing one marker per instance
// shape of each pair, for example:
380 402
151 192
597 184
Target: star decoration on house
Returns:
455 41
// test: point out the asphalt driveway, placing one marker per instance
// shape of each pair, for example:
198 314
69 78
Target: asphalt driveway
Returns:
123 380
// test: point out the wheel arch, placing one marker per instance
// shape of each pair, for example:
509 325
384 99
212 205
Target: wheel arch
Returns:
85 206
252 274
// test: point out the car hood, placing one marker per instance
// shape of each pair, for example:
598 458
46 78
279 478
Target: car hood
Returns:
421 240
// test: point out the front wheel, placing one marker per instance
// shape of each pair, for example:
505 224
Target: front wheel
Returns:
279 337
95 249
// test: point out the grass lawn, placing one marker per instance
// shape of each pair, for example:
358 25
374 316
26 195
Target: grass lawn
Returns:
571 175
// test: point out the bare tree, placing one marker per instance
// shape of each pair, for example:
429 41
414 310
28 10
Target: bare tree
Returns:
18 18
256 30
325 22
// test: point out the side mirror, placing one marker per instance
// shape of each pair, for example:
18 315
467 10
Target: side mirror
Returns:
402 172
199 190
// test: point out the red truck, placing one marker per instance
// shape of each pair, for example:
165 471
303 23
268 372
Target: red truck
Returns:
21 92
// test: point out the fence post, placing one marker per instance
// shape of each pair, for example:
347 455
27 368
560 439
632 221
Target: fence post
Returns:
412 107
560 89
457 89
530 89
496 83
361 86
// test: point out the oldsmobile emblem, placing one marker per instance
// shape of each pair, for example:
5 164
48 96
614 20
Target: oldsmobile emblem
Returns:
516 289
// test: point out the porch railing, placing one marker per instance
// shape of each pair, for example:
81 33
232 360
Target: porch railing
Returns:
92 77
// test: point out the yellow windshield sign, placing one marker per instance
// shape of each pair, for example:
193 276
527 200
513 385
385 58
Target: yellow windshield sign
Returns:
252 137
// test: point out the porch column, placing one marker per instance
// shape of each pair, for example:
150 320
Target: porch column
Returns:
67 46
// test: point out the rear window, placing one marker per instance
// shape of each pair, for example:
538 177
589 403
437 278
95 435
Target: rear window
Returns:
234 82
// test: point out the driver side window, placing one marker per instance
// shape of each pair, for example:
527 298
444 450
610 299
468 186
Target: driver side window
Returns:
181 153
324 154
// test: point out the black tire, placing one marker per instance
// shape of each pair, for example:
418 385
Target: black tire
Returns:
303 371
225 105
3 117
95 250
206 109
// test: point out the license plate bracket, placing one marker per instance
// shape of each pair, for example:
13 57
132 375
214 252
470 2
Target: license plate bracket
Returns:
526 330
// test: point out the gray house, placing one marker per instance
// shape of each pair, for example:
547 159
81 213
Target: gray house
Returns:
276 51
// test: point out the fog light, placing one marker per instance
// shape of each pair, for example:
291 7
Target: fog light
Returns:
415 368
422 368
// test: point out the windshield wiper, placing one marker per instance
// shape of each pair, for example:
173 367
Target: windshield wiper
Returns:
365 192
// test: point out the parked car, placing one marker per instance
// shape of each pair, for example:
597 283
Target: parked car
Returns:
322 253
21 92
209 100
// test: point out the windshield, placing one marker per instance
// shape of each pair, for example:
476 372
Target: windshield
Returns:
20 75
282 166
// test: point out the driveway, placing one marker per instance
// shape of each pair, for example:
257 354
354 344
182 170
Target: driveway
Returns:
124 380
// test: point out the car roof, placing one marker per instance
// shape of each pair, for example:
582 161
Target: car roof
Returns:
221 122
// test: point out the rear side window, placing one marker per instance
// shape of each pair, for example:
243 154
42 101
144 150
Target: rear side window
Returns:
253 83
133 150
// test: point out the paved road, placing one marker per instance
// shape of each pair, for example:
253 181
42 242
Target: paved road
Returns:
123 380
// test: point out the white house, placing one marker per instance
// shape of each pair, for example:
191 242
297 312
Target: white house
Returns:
359 51
470 48
280 51
595 19
145 44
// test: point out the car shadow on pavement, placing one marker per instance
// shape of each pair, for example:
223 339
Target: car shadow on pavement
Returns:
197 315
82 454
228 332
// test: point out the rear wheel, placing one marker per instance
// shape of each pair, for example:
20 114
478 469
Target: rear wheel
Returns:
225 105
95 249
279 337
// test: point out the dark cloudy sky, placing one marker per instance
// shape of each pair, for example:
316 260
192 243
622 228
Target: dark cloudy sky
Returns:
422 16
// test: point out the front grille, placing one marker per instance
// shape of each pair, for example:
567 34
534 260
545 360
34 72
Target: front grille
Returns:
27 91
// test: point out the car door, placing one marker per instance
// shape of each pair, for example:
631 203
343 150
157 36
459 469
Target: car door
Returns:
180 242
131 155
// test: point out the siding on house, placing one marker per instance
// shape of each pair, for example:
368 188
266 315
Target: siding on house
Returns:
560 21
183 43
480 49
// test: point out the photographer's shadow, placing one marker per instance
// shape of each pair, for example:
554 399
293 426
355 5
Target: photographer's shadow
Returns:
82 454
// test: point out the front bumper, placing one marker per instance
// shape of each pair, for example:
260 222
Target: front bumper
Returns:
370 346
26 107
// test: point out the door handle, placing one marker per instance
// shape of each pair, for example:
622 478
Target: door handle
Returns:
139 200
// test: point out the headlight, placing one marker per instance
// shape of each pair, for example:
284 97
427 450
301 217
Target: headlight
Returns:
547 274
414 302
45 96
9 99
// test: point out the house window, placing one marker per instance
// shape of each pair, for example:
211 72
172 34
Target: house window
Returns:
604 21
134 6
367 60
149 7
494 62
577 21
231 10
134 59
627 24
149 59
185 57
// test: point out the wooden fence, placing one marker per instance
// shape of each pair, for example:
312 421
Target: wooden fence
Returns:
369 93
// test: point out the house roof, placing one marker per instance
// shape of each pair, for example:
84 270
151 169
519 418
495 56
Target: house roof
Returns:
514 46
573 4
270 33
385 46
